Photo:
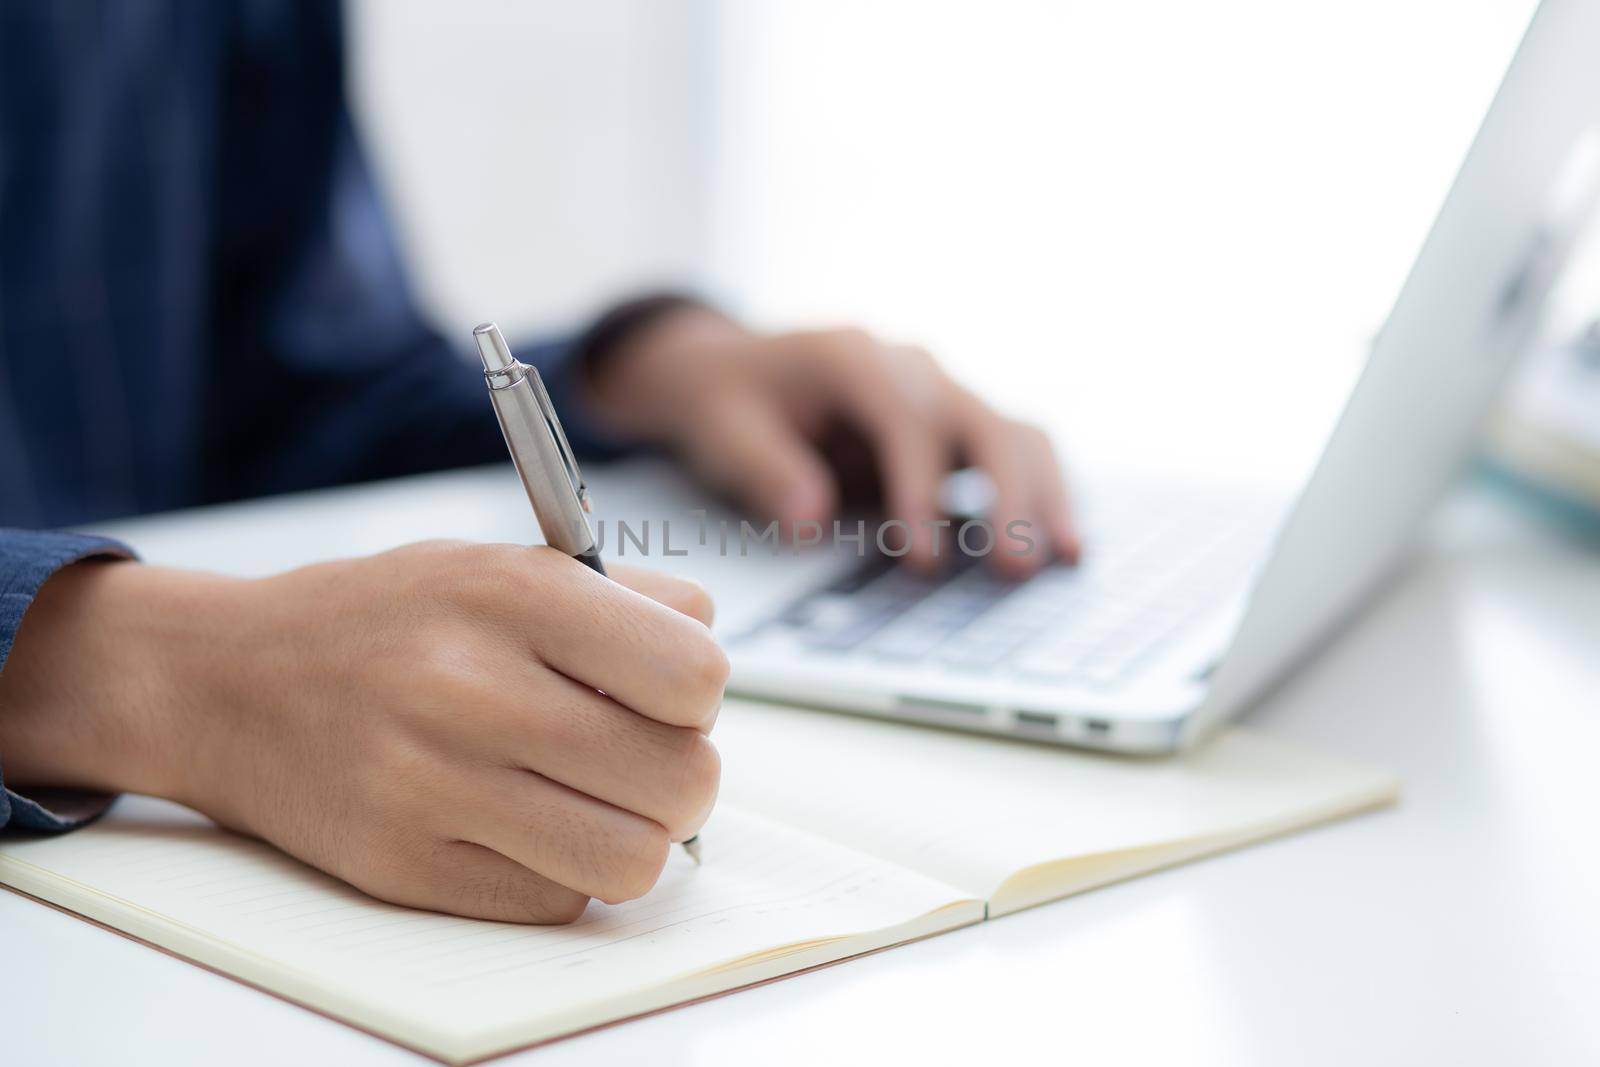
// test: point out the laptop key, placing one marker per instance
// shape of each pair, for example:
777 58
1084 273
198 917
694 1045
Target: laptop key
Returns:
849 638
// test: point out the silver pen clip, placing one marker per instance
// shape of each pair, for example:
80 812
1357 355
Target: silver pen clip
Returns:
568 460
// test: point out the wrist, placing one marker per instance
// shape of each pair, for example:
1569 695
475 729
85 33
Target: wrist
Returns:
107 679
645 387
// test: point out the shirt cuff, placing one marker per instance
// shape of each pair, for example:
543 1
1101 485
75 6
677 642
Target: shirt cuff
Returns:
28 558
568 377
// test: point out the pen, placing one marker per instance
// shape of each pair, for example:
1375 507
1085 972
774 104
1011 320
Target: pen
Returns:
543 459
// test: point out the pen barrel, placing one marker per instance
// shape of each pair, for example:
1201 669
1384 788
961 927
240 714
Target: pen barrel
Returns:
539 465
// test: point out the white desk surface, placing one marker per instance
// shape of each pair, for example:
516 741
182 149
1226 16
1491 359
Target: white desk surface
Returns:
1462 927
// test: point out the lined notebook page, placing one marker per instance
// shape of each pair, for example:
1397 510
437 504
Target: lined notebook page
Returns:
974 811
461 987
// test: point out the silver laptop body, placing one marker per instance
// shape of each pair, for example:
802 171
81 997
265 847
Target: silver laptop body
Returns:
1188 605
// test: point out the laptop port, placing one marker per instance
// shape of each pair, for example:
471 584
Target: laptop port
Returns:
936 706
1038 720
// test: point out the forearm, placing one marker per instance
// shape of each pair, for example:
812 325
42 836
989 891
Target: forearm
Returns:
109 659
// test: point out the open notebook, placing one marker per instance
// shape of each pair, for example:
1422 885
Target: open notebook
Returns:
834 836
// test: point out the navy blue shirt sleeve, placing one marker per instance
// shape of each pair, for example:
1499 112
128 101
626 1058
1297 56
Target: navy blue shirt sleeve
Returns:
27 560
314 319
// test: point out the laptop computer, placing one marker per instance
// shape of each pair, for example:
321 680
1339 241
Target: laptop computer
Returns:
1189 605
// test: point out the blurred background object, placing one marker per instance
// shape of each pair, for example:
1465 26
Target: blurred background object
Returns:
1547 432
1167 231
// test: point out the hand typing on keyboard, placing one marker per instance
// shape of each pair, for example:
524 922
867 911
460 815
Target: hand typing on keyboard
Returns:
797 424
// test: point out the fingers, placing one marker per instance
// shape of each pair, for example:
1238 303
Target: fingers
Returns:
554 721
682 595
754 451
1058 514
571 734
1045 493
464 878
896 397
654 659
561 834
914 461
1029 489
749 439
995 454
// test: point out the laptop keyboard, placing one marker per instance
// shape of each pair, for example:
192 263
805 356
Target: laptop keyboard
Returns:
1152 572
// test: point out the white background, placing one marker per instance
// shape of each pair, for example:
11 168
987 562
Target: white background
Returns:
1167 230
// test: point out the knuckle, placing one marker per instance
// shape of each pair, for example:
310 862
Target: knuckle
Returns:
547 564
695 601
469 578
389 800
432 547
510 898
388 877
708 668
378 857
841 348
699 775
439 686
391 757
492 573
702 769
436 656
557 907
851 339
1033 434
502 560
638 864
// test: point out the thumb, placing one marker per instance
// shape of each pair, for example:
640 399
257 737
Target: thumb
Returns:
754 451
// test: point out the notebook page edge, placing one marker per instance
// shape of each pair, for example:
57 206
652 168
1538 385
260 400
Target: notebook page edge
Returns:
1052 880
1242 767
